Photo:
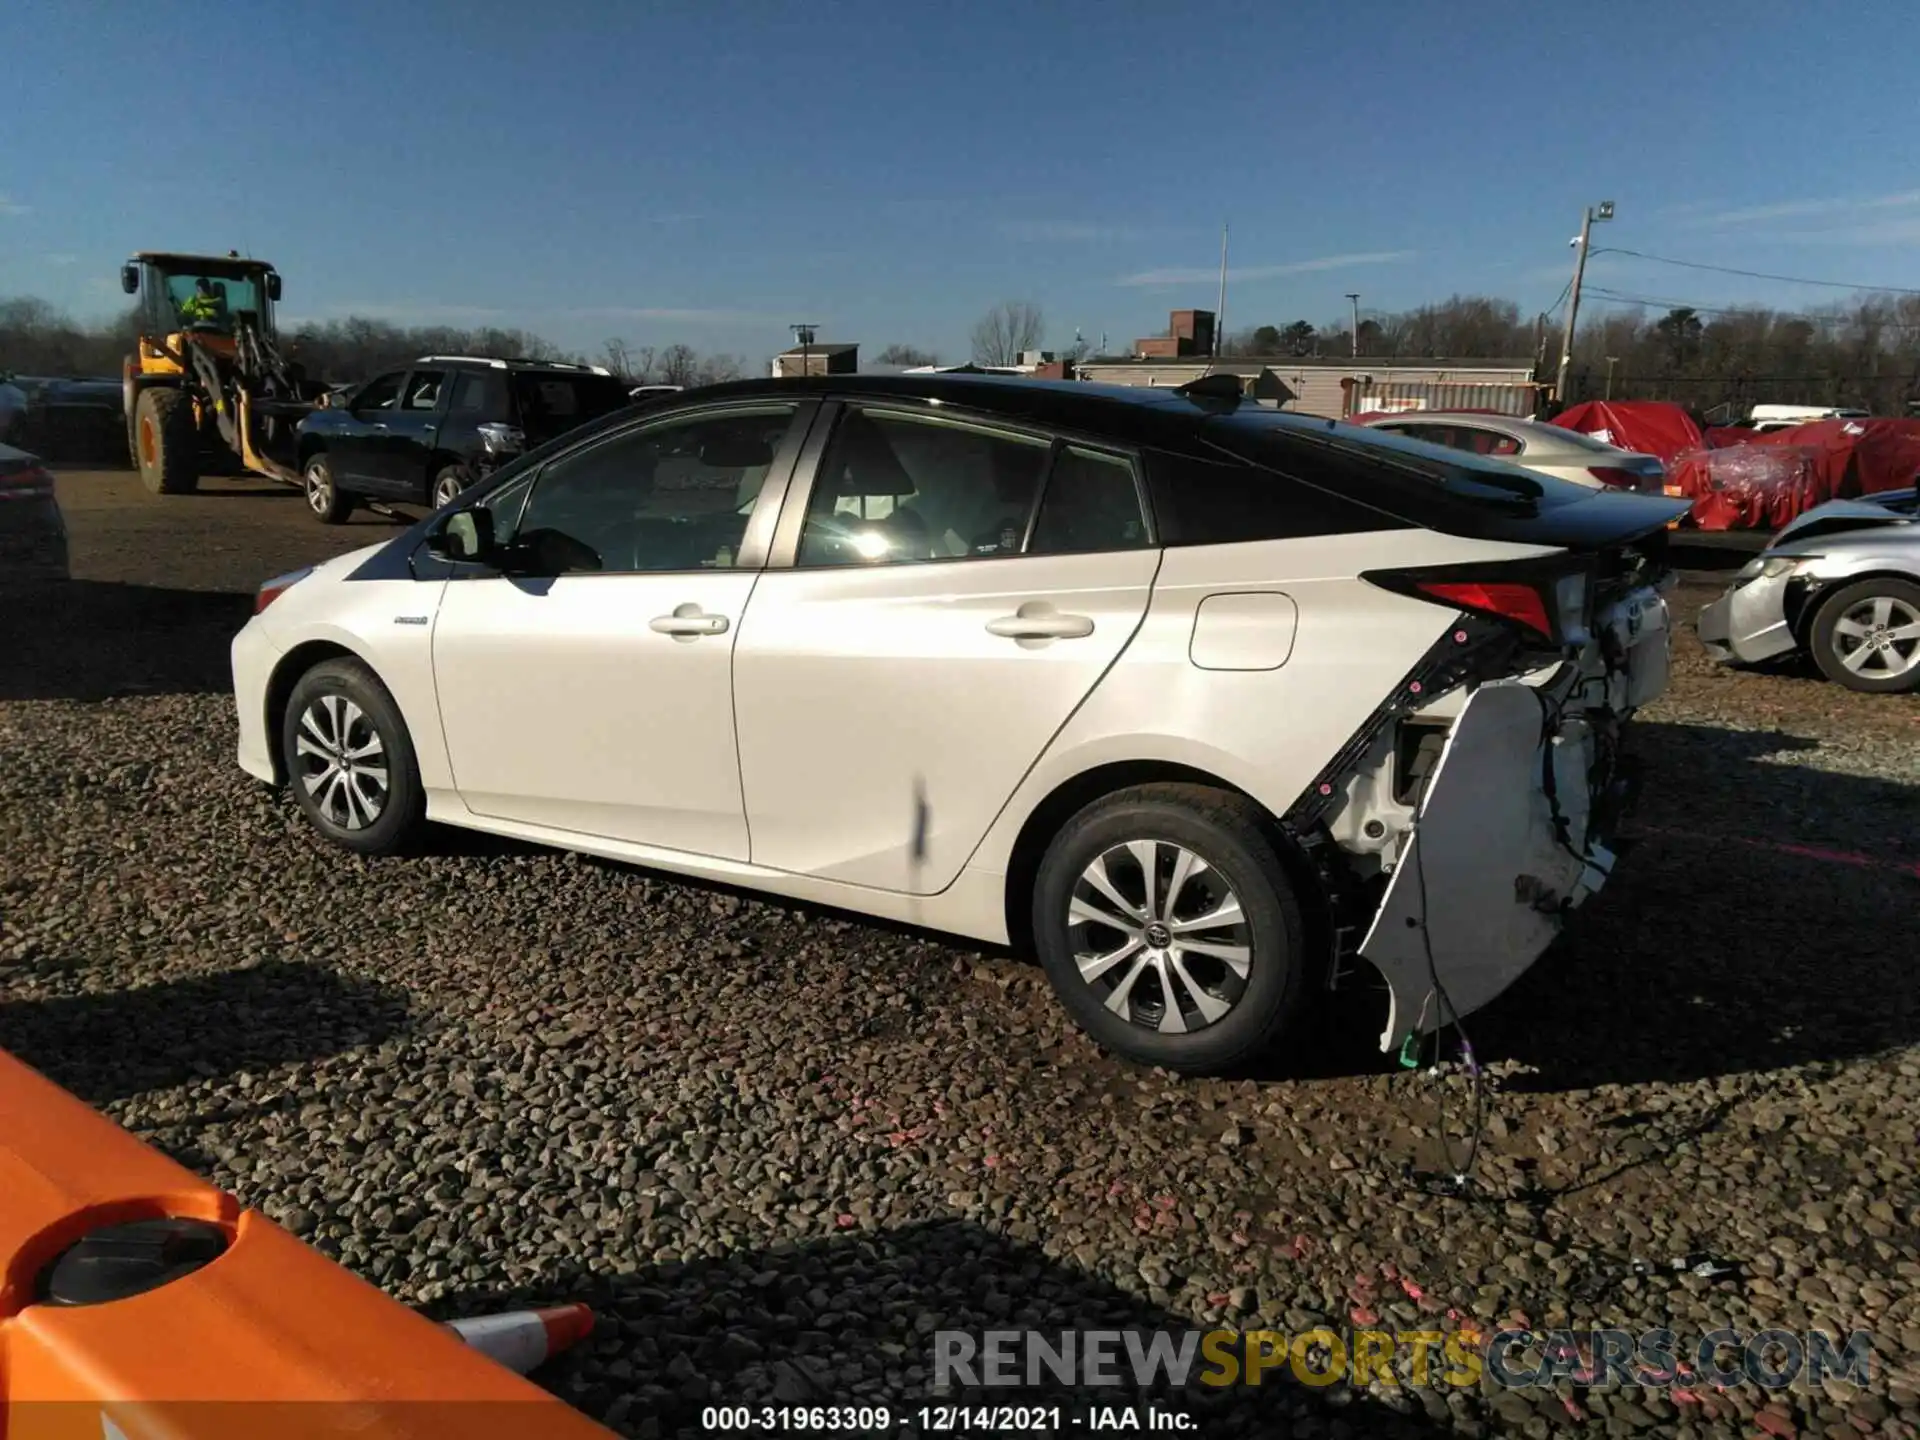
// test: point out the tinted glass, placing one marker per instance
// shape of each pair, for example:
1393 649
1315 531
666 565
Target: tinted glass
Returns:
470 395
381 393
1221 502
1091 504
552 402
896 489
674 496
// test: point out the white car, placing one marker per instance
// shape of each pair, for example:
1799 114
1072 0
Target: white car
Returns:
1194 698
1543 448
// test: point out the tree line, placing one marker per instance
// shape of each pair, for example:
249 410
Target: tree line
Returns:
37 338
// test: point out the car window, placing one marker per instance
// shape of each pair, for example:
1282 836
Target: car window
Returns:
1481 441
1222 502
423 389
1091 503
894 489
381 393
471 394
671 496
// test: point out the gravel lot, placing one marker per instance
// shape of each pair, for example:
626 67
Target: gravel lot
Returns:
776 1147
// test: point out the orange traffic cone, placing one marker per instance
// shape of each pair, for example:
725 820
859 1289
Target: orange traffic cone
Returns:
522 1340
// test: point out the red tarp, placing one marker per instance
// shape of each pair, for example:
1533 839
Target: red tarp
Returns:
1649 427
1763 481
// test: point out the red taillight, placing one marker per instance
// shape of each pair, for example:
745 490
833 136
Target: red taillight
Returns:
31 482
1520 603
273 589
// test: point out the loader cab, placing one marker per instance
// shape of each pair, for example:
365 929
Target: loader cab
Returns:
167 282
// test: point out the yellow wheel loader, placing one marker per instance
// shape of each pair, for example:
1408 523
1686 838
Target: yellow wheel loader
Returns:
206 376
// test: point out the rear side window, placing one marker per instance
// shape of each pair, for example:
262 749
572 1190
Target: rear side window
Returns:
473 395
1221 502
1090 504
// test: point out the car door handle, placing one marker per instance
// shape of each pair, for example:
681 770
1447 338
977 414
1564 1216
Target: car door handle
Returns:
688 621
1041 627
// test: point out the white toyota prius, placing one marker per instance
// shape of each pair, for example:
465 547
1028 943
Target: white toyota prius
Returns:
1195 699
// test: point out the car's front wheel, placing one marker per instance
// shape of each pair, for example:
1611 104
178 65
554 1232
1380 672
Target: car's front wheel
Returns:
323 495
1867 636
1168 927
349 760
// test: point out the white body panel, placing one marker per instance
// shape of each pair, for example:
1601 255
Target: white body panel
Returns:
568 704
883 724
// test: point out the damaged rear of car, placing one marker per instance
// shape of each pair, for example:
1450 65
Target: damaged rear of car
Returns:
1470 814
1841 584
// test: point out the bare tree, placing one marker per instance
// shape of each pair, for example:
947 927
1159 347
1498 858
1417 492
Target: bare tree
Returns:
1004 331
898 354
631 363
679 365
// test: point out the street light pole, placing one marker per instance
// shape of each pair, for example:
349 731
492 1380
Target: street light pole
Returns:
1353 299
803 337
1604 211
1612 360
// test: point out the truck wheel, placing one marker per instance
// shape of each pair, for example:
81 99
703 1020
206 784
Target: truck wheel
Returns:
323 496
166 443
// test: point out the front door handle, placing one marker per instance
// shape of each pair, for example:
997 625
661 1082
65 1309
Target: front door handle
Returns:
688 621
1047 626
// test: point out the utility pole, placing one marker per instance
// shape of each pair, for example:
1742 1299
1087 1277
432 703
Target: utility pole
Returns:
1353 299
1220 311
1604 211
803 337
1612 360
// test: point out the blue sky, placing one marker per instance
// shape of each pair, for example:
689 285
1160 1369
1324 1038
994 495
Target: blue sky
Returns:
711 172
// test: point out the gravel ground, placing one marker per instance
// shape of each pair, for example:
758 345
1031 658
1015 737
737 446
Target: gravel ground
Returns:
776 1147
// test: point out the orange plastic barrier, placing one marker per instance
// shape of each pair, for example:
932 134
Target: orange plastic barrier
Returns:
205 1321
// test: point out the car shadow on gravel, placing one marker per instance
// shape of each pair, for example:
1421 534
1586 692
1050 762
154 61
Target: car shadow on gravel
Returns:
95 640
1762 918
114 1044
824 1321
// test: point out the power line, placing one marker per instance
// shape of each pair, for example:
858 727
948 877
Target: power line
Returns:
1616 297
1754 274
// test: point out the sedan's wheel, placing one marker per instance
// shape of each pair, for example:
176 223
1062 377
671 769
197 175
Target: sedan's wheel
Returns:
448 484
1867 636
323 496
1168 927
348 758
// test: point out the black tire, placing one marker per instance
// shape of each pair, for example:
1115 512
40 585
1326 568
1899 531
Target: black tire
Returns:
447 484
334 690
1226 831
1831 646
324 498
166 442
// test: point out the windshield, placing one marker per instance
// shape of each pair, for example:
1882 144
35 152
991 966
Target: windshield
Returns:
209 301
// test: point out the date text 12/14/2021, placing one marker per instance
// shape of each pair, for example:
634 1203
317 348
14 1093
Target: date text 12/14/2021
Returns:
960 1420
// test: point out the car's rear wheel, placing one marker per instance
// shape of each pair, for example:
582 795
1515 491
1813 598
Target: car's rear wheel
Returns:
349 760
448 484
1867 636
323 496
1168 928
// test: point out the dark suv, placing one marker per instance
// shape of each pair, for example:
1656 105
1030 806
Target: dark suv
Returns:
422 435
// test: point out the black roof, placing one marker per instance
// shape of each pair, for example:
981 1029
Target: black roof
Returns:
212 264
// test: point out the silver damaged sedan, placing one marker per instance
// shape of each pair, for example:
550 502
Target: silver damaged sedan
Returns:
1842 584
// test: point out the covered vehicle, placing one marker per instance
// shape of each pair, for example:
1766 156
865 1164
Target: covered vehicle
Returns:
1195 697
1840 583
1764 480
1653 427
33 532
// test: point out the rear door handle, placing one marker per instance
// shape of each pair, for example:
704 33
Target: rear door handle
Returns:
1041 627
688 621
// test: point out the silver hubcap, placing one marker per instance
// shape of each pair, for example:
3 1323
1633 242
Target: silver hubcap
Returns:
1160 937
1879 638
342 762
319 489
445 491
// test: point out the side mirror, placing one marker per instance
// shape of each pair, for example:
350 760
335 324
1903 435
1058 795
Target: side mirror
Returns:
130 278
465 536
273 285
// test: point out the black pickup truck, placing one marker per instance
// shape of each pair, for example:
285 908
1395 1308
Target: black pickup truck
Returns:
421 435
